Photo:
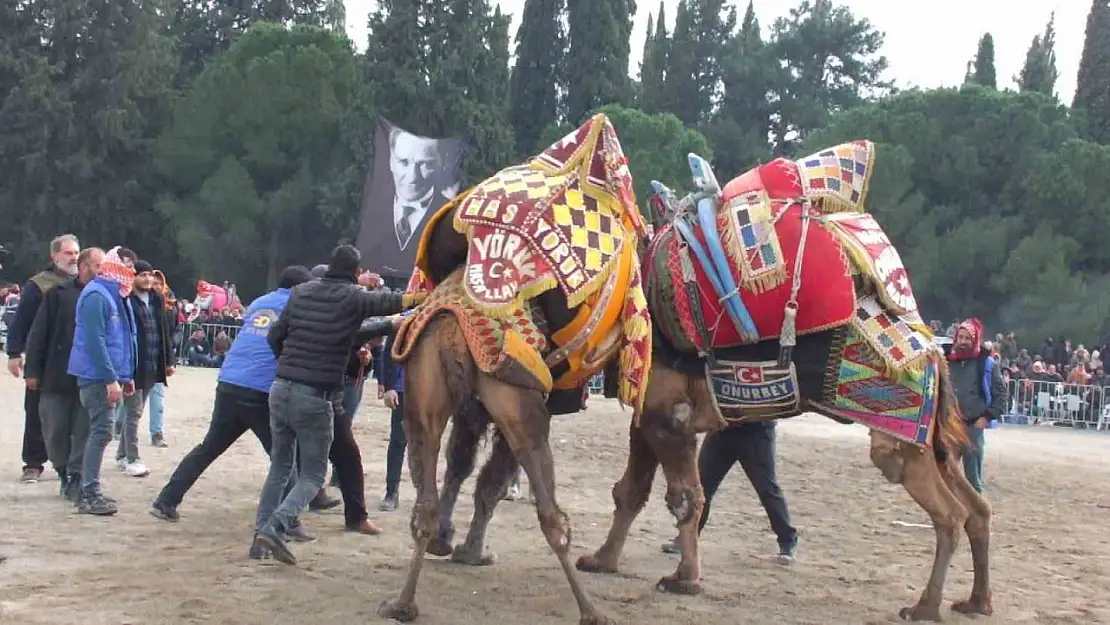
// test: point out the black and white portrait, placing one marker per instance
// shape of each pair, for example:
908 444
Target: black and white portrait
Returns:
412 176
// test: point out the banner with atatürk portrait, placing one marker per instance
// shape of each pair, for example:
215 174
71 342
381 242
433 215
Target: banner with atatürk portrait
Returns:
410 178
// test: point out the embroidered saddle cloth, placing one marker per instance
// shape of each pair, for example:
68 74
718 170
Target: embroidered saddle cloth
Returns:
761 218
566 219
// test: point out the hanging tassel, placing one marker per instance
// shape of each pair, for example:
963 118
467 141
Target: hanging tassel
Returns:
788 337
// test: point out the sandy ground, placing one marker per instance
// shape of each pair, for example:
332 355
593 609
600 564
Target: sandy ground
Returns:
1050 490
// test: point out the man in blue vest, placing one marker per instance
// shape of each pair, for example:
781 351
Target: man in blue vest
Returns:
980 391
103 357
242 398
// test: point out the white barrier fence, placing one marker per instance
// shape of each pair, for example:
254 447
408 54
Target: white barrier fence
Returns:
1037 402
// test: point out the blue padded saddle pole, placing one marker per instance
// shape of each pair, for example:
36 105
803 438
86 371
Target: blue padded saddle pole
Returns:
707 207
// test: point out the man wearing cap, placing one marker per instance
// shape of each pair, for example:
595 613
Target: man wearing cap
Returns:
980 391
313 339
154 364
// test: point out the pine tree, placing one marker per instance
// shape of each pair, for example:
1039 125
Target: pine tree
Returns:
984 73
1092 88
1039 72
441 69
741 125
597 61
537 78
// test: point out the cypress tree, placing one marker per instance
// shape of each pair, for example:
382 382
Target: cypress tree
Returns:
984 73
537 77
597 61
653 70
1092 88
1039 72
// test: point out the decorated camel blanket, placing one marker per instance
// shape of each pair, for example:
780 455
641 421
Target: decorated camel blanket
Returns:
795 234
509 347
566 219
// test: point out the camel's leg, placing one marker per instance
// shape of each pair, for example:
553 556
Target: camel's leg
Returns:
677 450
426 416
922 479
978 528
462 451
630 495
493 483
522 417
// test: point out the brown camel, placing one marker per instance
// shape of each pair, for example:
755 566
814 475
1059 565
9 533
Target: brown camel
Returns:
680 405
523 424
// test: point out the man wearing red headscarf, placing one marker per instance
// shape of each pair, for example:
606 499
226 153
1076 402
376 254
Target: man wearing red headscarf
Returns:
980 391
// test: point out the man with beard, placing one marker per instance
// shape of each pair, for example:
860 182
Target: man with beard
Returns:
103 361
63 256
980 391
313 339
153 365
65 424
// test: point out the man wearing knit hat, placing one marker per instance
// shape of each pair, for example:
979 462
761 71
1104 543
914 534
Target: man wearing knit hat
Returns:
154 364
980 391
102 359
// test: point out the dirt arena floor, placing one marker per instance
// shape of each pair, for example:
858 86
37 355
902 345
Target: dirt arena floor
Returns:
857 563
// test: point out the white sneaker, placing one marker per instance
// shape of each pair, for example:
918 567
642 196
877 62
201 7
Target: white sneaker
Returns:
137 469
122 464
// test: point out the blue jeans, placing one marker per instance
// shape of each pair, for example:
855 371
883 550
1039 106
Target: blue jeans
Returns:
300 417
973 457
95 400
157 408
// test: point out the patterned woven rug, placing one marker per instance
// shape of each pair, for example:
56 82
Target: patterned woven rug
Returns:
860 387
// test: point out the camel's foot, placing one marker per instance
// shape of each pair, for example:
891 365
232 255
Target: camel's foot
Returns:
403 613
462 555
675 586
974 605
596 619
439 546
921 613
595 564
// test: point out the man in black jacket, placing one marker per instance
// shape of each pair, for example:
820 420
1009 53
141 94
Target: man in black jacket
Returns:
155 364
65 423
63 266
313 340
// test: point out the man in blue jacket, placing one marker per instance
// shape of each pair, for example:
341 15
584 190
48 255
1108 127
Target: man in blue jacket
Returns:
242 397
103 357
392 381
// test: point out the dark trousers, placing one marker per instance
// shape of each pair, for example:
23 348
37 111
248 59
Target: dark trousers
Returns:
395 453
753 446
236 410
346 457
34 446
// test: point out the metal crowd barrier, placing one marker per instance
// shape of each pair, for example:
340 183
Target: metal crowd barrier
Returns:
1037 402
210 332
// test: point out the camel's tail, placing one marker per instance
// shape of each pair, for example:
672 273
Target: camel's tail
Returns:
950 434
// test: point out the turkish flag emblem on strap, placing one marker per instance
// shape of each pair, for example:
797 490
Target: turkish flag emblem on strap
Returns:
750 375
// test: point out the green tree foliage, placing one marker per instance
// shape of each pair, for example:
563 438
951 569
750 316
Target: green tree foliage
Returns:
994 203
534 98
1092 89
740 128
1039 72
656 147
84 89
703 29
251 147
653 69
597 61
442 69
830 62
982 71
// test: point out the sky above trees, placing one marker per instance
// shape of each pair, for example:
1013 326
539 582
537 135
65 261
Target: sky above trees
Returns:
928 44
